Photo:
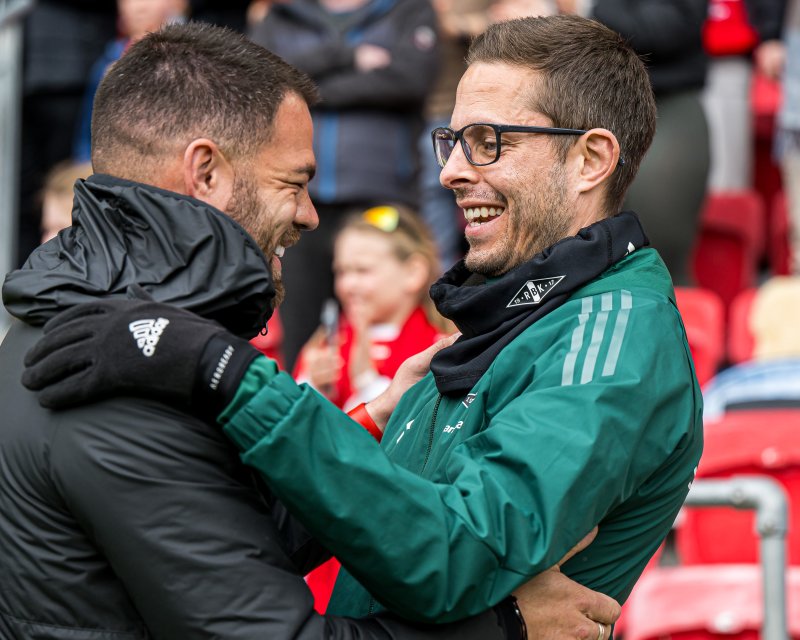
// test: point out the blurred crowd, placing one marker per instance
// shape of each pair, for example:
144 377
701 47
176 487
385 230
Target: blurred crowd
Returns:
726 76
387 73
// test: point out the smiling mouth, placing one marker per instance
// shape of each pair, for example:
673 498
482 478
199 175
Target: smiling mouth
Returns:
477 216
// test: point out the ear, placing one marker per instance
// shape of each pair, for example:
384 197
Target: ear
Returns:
416 271
207 173
596 156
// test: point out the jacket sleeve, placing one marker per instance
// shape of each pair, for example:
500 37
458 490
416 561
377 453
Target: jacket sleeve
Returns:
767 17
170 507
658 27
409 77
510 500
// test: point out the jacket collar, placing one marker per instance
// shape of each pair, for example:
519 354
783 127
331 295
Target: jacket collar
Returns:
492 313
179 249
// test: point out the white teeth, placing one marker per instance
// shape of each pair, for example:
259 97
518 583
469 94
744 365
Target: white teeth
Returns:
279 251
475 213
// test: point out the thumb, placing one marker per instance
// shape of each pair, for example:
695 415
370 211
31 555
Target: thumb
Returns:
138 292
318 338
582 544
443 343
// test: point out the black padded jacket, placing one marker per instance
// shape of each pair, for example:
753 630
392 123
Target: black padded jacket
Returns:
127 519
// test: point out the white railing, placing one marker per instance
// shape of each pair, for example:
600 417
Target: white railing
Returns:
767 498
11 14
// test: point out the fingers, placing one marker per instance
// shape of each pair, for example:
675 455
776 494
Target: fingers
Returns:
582 544
78 312
60 337
423 358
66 393
602 609
444 342
54 367
555 607
138 292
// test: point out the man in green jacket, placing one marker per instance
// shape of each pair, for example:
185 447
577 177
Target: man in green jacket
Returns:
568 401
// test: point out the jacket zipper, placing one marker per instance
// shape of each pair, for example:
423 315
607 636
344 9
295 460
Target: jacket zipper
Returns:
431 431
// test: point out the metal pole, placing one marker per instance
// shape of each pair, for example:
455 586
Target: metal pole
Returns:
767 497
11 14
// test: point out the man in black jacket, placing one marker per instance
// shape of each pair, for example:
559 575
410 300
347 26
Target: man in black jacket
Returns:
133 520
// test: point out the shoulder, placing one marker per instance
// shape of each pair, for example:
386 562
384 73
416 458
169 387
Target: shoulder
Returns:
143 438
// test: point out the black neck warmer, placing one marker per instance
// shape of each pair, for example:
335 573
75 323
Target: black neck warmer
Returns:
490 314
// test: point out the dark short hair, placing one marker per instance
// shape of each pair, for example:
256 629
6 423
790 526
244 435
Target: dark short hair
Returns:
591 78
188 81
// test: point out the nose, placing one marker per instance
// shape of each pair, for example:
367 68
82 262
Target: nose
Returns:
458 172
306 216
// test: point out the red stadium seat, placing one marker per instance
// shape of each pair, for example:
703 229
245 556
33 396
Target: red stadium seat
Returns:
704 318
778 251
740 338
704 603
763 441
729 244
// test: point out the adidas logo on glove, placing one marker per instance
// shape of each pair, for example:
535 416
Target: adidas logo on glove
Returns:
147 333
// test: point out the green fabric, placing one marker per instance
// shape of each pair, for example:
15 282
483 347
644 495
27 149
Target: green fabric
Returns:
593 415
260 372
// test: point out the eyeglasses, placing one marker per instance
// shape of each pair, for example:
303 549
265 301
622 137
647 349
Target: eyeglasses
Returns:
481 141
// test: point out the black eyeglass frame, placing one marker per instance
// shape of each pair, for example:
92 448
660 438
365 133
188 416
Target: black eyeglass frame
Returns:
498 129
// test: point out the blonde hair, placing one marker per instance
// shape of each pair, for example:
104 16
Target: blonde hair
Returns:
775 317
409 237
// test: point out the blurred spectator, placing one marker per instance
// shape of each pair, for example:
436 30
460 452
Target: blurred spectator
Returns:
57 196
136 19
62 39
788 134
225 13
670 187
772 378
736 32
459 21
374 62
384 262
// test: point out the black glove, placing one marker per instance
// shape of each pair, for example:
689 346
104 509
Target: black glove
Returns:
135 347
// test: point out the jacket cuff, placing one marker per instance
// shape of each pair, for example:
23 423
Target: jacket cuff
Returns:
263 399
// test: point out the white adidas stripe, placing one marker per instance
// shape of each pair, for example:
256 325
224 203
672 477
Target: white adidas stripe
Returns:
147 332
589 310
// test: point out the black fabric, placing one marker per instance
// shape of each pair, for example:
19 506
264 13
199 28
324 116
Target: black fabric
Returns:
220 370
767 16
490 314
134 347
129 519
667 34
180 250
507 613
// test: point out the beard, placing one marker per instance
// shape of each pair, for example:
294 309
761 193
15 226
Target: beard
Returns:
540 218
253 215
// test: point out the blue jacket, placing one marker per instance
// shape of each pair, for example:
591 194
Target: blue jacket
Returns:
367 124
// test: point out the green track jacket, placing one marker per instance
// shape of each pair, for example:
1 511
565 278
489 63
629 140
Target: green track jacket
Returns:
592 415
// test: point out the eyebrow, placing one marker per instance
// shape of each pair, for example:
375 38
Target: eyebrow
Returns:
310 170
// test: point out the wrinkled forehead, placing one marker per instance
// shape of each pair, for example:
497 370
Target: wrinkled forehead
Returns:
497 93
